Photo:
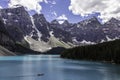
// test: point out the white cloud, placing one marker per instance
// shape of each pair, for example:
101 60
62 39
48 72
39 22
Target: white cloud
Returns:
29 5
54 13
0 7
52 2
62 17
107 8
46 1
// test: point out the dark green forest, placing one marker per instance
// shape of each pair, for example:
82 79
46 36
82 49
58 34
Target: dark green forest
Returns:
107 51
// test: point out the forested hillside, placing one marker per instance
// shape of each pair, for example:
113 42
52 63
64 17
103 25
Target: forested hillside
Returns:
107 51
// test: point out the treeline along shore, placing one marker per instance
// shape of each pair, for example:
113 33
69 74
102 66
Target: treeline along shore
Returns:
106 51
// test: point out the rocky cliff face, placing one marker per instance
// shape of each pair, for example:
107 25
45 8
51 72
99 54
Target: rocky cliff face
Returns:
60 32
6 52
22 27
88 30
17 22
5 38
42 25
112 28
47 29
8 44
92 31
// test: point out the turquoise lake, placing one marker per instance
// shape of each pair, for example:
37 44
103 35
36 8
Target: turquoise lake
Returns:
52 67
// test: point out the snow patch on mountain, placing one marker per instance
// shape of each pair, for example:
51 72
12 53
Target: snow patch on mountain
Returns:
34 27
87 42
4 20
60 21
27 40
16 21
108 38
51 33
9 14
78 26
75 40
102 41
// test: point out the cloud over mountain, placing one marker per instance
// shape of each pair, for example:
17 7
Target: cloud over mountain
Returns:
107 8
62 17
29 5
0 7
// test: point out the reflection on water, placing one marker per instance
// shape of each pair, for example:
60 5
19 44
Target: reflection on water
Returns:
54 68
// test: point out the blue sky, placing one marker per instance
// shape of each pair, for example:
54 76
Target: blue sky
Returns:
61 7
54 9
69 9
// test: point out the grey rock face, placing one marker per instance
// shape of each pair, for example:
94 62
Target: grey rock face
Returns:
45 28
92 30
8 43
6 52
59 32
89 30
17 22
112 28
42 25
5 39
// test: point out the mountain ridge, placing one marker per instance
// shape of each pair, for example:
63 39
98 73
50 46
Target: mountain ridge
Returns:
20 25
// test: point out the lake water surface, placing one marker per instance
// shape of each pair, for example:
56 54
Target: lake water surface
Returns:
54 68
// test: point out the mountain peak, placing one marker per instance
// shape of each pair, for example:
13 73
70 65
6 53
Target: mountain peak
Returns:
113 20
66 23
19 11
92 19
40 17
18 7
91 22
14 8
54 22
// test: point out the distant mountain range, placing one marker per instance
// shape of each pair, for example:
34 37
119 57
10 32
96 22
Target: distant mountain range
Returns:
37 34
